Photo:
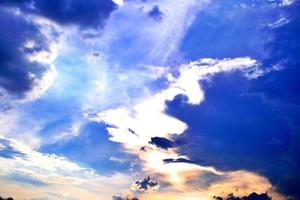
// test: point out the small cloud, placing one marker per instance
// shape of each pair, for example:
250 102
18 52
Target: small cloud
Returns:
145 185
123 198
119 2
156 14
178 160
116 159
287 2
161 142
278 23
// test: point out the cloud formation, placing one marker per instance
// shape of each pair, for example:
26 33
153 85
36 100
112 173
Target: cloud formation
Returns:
149 122
189 125
42 173
27 50
29 43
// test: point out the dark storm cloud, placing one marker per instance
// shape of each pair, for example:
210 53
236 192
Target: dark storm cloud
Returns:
16 69
161 142
89 13
252 124
156 14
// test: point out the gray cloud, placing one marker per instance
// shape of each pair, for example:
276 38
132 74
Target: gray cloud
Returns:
145 185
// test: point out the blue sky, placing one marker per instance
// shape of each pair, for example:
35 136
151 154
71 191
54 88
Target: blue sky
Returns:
154 100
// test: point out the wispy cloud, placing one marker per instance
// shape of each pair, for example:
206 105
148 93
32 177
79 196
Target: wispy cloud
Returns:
45 173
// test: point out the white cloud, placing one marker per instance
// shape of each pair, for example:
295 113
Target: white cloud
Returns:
58 174
40 85
13 125
147 118
287 2
66 132
119 2
278 23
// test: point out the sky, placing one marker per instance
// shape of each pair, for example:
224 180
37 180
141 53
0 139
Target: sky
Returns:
149 99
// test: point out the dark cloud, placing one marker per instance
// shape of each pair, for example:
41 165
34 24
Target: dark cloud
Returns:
7 151
178 160
156 14
18 74
145 185
252 196
161 142
89 13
